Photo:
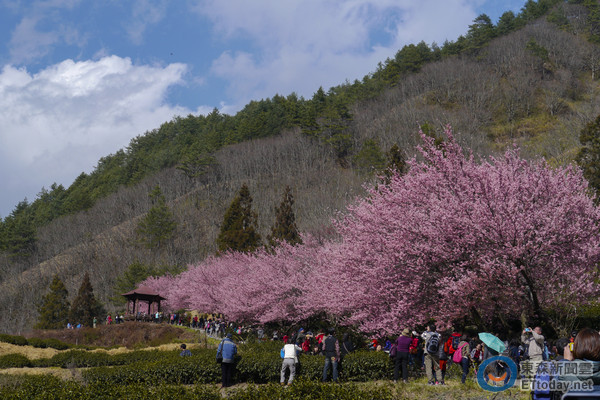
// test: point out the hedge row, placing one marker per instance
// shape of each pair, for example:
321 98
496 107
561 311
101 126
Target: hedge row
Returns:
86 359
256 368
51 388
258 363
35 342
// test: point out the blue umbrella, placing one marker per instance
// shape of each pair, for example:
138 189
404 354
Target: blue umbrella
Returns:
492 342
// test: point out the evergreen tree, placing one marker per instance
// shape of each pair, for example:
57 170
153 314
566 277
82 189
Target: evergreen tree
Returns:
85 306
370 158
54 310
396 164
593 20
589 155
506 23
136 273
480 32
285 228
19 232
239 231
158 226
128 280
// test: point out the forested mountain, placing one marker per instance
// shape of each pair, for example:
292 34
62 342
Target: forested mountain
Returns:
530 79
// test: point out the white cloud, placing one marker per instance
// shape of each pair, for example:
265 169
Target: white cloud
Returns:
145 13
299 45
59 122
27 43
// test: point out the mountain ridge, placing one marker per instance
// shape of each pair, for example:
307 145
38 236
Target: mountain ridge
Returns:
534 87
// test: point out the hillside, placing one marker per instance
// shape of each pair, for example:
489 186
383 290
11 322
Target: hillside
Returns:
535 86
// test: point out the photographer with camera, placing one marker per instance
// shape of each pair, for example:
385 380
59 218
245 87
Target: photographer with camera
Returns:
535 341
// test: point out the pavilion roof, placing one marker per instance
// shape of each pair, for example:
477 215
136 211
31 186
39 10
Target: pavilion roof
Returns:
143 292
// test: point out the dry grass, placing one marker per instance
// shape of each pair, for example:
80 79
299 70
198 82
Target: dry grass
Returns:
62 373
30 352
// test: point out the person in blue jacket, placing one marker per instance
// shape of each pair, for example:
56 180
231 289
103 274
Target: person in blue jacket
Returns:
226 352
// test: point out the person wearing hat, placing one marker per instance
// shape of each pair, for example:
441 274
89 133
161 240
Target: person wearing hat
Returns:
402 344
226 356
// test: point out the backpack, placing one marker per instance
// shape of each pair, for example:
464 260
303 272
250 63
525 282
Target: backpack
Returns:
455 342
433 344
525 354
442 354
457 357
545 353
393 351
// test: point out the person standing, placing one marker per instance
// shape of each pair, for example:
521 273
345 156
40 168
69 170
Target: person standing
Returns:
535 341
477 356
331 349
290 359
347 345
402 347
226 351
432 360
465 357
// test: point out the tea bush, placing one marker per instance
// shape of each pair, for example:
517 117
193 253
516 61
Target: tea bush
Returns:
199 368
52 388
257 364
17 340
305 389
81 358
14 361
50 342
74 358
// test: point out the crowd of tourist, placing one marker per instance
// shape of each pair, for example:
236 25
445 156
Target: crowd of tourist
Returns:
547 368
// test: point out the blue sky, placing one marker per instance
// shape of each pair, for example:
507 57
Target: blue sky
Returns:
80 79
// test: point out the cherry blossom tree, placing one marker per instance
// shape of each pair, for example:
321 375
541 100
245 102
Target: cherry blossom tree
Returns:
453 238
261 287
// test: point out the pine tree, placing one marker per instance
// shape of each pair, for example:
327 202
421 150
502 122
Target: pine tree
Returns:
158 226
19 236
85 306
54 310
133 275
285 228
370 158
239 231
396 164
589 155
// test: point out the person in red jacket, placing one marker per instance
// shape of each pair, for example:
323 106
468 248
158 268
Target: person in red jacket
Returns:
450 347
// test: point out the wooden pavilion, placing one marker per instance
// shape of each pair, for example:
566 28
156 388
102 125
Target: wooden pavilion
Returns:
143 300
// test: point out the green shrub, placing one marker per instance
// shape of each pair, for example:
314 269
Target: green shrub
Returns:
259 363
37 342
17 340
55 344
52 388
50 342
75 358
362 366
306 389
14 361
199 368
